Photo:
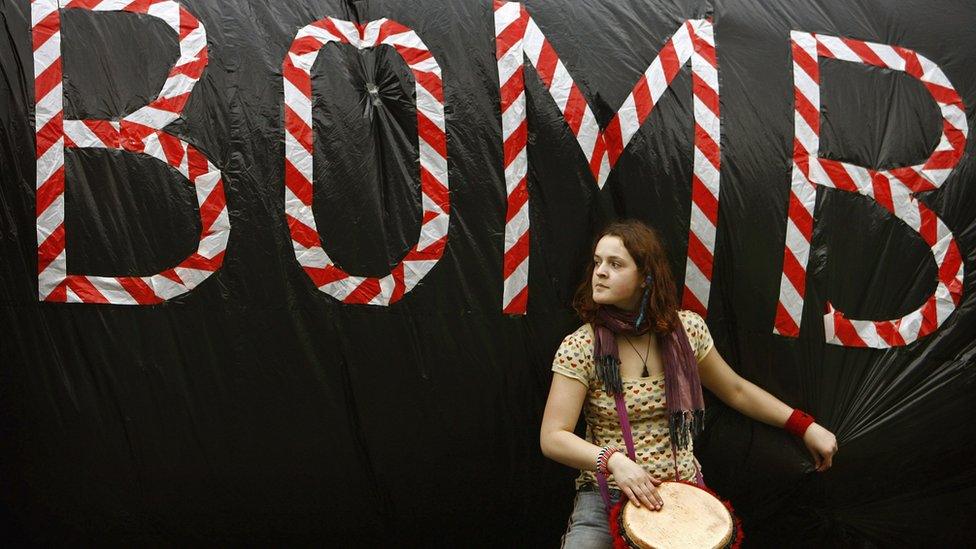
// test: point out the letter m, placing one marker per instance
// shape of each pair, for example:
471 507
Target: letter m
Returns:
520 43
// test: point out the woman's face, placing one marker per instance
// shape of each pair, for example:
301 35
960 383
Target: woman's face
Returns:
616 280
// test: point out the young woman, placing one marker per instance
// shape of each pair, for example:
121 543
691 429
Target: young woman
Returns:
636 342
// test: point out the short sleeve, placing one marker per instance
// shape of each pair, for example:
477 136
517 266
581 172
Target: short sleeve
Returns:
698 334
574 357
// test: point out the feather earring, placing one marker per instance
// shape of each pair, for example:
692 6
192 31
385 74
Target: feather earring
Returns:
643 303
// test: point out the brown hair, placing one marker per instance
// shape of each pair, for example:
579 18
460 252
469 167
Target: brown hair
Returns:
648 251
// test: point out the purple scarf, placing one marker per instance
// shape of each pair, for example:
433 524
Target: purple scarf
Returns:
682 386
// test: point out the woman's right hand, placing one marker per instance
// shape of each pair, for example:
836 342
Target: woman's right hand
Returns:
635 482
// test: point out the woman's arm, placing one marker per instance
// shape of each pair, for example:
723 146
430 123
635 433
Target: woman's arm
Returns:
557 439
756 403
560 443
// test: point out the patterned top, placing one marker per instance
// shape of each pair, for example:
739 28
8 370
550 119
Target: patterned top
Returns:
646 405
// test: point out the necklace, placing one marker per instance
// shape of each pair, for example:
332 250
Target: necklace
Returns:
647 353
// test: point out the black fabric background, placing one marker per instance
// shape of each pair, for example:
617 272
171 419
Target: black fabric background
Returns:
257 409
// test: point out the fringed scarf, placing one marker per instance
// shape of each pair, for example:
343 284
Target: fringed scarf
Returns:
682 386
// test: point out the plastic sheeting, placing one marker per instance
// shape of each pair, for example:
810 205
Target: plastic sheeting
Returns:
256 407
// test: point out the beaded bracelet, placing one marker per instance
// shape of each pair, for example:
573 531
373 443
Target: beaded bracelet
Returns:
798 423
603 459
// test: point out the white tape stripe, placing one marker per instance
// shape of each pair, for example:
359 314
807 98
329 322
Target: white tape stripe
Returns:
168 11
50 162
509 63
516 171
797 242
932 73
705 118
505 15
657 82
888 55
682 44
516 282
48 108
589 134
321 35
704 70
513 116
629 124
561 86
519 225
152 117
703 227
697 282
81 135
838 48
791 299
192 44
41 9
50 219
532 42
47 54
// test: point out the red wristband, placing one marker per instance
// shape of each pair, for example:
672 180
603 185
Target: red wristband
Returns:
798 422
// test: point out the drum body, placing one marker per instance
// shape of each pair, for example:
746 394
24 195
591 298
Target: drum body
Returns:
691 517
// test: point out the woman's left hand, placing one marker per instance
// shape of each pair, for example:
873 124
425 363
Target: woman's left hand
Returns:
822 445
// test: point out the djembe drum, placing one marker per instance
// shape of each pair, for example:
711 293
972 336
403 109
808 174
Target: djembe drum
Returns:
691 517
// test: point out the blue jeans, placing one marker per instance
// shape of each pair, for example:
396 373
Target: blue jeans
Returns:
588 526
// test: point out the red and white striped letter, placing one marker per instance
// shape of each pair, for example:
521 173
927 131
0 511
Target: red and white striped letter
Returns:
140 132
892 189
432 147
519 39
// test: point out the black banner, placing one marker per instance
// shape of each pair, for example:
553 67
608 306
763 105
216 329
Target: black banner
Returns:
296 272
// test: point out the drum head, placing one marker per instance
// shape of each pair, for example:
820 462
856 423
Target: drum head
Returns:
691 517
